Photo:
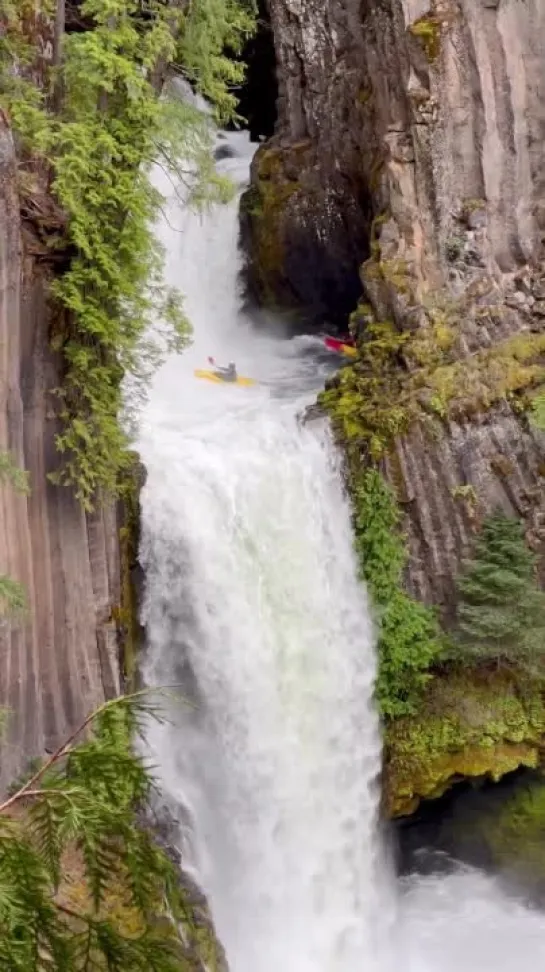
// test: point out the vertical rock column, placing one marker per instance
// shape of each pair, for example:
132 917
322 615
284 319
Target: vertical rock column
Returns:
62 658
306 217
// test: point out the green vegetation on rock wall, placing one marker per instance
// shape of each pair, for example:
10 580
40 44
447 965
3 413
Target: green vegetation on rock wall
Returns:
409 639
514 835
451 712
12 595
407 377
90 124
367 401
127 611
472 722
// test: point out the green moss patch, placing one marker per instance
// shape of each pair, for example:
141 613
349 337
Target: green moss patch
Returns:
474 384
515 836
409 637
471 723
428 31
126 613
403 377
368 402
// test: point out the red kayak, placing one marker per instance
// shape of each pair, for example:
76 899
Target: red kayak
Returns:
341 347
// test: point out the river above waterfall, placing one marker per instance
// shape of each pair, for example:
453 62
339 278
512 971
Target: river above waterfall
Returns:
253 604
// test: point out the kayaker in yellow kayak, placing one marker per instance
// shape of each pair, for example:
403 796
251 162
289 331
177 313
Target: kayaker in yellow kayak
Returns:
226 374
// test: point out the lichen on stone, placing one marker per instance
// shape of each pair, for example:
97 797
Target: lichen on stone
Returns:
402 377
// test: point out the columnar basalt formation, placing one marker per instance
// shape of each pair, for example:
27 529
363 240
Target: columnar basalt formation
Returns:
421 125
62 658
433 113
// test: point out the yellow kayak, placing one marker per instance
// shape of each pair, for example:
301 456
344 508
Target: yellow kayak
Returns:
211 376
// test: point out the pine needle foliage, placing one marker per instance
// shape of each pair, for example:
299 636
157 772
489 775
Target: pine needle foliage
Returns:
82 805
99 144
409 637
501 610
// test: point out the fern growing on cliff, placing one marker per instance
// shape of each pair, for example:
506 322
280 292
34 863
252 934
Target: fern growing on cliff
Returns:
83 885
95 123
501 610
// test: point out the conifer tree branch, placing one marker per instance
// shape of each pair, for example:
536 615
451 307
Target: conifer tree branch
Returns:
83 884
69 743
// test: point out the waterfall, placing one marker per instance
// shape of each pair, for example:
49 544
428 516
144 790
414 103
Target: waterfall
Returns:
253 604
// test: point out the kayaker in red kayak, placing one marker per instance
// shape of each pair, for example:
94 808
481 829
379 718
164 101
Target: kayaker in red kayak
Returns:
341 346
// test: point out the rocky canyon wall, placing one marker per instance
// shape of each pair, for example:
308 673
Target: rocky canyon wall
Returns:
418 107
62 658
419 126
422 126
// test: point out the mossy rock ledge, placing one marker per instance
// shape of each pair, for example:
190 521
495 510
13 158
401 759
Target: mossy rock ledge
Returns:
472 724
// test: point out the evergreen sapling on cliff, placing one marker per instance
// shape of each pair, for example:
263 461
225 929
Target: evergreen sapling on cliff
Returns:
501 610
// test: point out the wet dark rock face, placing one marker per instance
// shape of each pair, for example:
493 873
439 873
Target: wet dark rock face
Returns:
304 236
307 215
259 94
498 827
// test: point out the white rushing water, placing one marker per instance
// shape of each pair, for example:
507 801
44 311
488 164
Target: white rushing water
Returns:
252 602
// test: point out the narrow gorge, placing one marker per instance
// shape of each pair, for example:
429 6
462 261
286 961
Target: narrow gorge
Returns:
338 567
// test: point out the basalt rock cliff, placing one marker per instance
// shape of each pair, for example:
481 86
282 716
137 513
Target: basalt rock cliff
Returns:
62 658
408 163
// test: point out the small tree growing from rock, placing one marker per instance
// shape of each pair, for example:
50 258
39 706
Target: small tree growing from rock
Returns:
501 609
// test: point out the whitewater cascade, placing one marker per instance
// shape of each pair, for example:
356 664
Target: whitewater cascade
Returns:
253 604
